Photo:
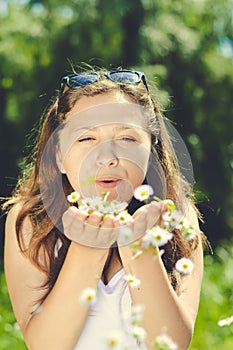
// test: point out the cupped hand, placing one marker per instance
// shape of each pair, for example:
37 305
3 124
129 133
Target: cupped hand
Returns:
92 230
142 220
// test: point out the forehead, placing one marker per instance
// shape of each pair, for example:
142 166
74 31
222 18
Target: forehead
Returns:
87 102
120 116
106 109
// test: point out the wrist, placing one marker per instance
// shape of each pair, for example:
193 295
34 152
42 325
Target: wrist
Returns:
88 254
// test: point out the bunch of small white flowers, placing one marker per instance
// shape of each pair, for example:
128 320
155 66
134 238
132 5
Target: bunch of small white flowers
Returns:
157 236
136 330
101 205
172 218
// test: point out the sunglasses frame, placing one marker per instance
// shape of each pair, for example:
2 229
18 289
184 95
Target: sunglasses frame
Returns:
108 74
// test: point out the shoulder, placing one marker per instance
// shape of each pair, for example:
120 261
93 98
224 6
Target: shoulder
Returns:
11 224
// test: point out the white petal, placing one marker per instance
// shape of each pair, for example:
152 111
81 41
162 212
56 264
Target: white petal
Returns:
88 296
184 266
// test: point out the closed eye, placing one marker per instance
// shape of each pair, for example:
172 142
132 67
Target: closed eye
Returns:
87 138
127 139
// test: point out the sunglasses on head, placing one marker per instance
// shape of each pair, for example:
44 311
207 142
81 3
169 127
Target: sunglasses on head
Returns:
118 76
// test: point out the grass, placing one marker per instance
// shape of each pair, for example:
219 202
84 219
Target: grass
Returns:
216 303
10 335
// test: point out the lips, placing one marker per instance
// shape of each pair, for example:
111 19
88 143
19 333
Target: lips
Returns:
108 182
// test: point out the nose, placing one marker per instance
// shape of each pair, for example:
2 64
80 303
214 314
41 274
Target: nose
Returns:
106 155
111 163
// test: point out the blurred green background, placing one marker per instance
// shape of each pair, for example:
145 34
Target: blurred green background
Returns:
185 47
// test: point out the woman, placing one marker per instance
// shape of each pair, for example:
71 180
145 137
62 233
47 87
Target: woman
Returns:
103 133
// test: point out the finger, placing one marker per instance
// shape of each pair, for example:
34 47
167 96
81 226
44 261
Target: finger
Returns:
108 222
140 225
154 212
94 219
73 218
142 209
108 229
92 226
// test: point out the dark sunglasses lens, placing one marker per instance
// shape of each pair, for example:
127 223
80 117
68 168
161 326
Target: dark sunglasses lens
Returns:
125 77
82 80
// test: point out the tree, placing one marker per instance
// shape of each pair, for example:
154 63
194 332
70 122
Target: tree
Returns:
183 46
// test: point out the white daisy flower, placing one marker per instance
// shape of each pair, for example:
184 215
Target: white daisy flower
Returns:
113 339
166 217
226 321
73 197
136 254
169 202
125 235
88 296
139 333
137 311
185 223
189 233
176 219
143 192
117 207
133 281
124 217
85 203
156 237
164 340
184 266
97 204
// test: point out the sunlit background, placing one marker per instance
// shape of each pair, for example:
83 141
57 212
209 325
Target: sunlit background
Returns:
185 47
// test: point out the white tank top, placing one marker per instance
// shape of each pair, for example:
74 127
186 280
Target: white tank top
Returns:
110 313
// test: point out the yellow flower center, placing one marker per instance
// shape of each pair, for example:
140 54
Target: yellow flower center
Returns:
143 193
112 343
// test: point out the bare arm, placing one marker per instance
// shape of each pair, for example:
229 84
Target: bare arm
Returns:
163 307
61 318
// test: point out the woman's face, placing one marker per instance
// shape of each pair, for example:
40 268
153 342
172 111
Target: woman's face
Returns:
104 146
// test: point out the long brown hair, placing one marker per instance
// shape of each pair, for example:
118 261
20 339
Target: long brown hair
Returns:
40 249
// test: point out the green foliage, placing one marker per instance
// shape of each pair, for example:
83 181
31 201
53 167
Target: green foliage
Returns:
10 335
185 47
216 303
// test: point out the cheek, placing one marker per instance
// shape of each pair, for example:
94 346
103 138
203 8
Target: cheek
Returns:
136 174
71 169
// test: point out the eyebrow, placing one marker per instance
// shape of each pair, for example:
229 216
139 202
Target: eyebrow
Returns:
115 128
